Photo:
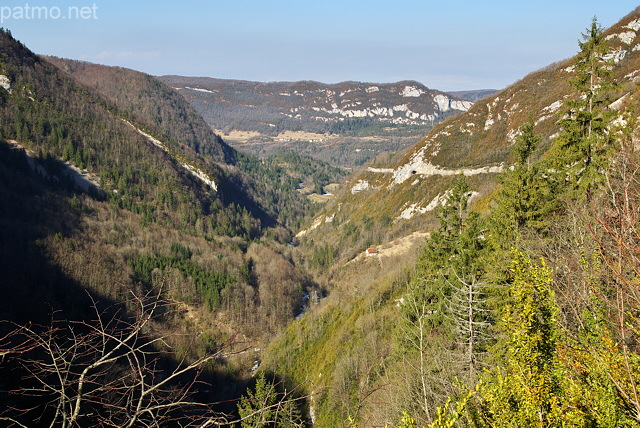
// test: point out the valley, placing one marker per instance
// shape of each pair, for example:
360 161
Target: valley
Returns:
191 251
345 124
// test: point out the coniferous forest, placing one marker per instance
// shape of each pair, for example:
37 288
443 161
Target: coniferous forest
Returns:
152 275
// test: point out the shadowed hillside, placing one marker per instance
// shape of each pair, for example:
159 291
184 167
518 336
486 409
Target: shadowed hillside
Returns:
107 203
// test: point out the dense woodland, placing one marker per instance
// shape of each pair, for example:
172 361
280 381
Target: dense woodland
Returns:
260 185
212 268
146 300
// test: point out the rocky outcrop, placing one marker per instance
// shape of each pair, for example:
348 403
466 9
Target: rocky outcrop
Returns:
312 106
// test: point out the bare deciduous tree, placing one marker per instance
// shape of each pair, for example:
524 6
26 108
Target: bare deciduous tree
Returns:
106 372
111 372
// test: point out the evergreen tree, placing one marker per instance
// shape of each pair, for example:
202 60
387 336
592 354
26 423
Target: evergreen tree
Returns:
452 214
583 147
264 407
445 312
467 305
256 409
430 281
526 197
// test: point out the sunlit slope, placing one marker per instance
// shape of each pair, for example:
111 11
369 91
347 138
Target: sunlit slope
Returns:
402 193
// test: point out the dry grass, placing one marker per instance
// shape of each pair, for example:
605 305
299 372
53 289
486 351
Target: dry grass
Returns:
320 199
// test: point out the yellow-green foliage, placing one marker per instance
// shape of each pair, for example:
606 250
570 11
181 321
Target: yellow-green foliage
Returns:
542 382
527 390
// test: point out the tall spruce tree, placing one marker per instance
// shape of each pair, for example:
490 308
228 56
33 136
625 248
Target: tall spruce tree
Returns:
467 303
526 197
582 148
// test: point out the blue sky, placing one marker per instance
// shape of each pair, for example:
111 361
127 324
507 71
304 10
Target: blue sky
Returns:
445 44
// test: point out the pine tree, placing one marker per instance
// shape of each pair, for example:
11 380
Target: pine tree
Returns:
452 214
585 142
445 315
256 409
429 283
526 197
264 407
467 305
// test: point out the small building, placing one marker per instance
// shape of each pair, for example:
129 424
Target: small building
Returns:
372 251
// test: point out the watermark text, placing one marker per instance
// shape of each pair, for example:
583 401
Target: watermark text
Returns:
30 12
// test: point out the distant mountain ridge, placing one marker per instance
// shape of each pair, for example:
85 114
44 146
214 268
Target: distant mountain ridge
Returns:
312 106
345 123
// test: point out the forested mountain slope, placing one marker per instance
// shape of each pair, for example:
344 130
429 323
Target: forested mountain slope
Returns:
108 205
520 309
143 99
262 186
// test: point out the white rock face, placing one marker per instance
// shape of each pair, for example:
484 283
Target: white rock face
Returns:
553 107
414 209
442 101
411 117
359 186
489 123
201 175
634 73
460 105
411 91
316 222
626 37
418 165
634 25
410 211
201 90
5 82
445 103
380 170
617 104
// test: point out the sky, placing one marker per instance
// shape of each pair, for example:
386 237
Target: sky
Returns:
445 44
